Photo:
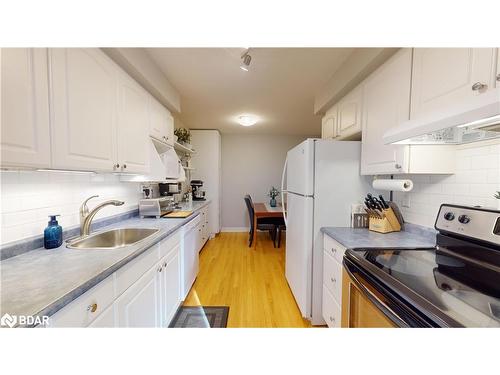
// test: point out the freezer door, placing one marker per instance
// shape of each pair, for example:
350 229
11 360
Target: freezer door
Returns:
300 169
298 262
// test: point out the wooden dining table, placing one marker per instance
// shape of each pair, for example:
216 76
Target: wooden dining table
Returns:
264 210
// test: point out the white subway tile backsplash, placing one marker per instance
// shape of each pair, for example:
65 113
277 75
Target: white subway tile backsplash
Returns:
28 197
476 180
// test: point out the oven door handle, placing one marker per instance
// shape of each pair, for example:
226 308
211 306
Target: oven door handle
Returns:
390 313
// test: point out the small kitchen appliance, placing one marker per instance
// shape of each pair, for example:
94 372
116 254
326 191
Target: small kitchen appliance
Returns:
454 284
156 207
198 194
169 189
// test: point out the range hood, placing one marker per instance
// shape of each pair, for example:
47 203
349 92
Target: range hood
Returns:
473 120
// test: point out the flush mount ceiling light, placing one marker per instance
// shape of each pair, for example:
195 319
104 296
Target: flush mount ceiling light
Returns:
247 120
245 64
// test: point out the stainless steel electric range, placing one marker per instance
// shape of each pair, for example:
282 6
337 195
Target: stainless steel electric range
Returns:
454 284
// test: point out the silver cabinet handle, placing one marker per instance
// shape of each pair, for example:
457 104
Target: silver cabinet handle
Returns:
165 264
334 250
332 319
160 269
334 280
397 166
498 77
478 86
92 308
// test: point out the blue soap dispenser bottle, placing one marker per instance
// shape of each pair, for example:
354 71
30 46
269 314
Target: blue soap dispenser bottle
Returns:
52 235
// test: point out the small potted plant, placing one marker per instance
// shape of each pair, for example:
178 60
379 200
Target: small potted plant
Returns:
183 136
273 193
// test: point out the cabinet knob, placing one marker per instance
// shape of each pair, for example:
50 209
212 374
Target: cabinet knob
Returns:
498 77
124 166
334 280
334 250
160 269
116 165
92 308
478 86
332 319
397 166
165 264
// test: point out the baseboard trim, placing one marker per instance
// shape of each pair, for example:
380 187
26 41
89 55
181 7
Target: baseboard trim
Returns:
235 229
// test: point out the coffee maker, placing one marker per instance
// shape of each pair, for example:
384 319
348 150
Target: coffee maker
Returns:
198 194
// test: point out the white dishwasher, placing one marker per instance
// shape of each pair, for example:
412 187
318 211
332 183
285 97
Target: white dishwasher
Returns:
190 261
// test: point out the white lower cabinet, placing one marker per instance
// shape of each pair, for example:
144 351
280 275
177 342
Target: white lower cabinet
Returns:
146 292
170 286
139 305
333 252
87 308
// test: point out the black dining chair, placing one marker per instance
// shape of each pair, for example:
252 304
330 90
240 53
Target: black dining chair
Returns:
280 226
264 224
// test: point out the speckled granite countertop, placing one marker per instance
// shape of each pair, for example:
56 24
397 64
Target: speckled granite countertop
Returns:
413 236
41 281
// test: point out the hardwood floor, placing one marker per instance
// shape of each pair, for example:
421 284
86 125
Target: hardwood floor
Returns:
251 281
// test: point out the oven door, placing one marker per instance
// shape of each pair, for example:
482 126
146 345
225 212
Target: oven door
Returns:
367 303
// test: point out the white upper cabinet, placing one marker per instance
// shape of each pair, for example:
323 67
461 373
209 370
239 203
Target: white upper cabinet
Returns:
443 77
25 137
161 122
386 103
84 95
329 124
349 114
132 127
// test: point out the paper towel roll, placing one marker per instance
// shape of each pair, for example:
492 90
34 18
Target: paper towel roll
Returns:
394 185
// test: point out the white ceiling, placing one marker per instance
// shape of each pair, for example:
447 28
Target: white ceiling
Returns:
279 88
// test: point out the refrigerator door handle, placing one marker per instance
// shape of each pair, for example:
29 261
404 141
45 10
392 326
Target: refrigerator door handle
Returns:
283 191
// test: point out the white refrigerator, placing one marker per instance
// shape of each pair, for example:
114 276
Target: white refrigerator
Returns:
322 181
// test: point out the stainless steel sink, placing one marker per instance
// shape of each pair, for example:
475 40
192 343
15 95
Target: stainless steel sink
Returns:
112 239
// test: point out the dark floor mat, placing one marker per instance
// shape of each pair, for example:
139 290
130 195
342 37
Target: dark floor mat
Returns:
200 317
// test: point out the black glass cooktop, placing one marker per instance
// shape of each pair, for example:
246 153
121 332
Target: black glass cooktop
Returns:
447 284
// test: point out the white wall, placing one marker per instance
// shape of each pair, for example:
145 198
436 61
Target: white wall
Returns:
476 179
250 164
27 198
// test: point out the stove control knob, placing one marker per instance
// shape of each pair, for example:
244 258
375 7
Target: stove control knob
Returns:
464 219
449 216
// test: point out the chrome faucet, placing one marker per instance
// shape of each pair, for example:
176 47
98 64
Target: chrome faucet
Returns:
86 217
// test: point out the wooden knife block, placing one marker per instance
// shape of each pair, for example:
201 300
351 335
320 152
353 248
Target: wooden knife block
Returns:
388 224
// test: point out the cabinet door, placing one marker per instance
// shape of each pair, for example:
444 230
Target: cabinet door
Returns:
443 77
25 137
161 124
349 113
132 130
84 93
386 103
139 305
329 124
170 297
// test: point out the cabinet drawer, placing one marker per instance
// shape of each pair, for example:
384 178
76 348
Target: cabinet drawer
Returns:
332 276
83 310
333 248
131 272
331 310
169 243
